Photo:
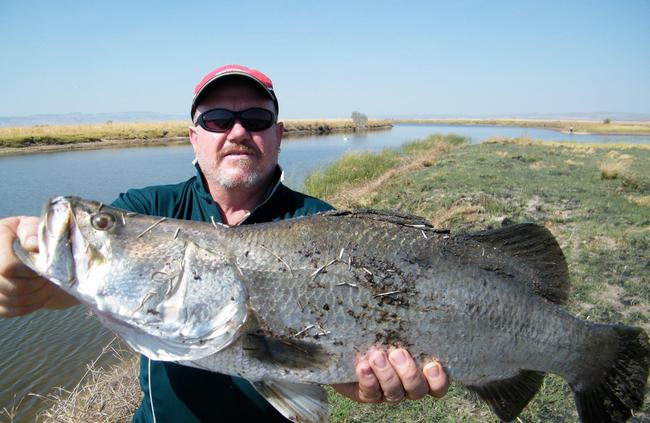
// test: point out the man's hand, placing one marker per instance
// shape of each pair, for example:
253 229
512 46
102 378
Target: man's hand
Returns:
393 377
21 290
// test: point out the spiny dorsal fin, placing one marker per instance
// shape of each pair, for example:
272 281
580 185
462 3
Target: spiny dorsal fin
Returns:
508 397
537 249
387 216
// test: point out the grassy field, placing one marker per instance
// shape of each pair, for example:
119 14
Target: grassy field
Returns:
594 198
75 134
578 126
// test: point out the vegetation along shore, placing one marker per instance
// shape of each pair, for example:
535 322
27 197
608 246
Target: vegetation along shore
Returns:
605 126
594 198
43 138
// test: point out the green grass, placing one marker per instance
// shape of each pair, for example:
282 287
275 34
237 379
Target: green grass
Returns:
353 168
602 224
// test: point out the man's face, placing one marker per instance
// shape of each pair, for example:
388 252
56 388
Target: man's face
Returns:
237 158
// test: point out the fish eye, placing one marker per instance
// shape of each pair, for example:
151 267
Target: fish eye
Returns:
102 221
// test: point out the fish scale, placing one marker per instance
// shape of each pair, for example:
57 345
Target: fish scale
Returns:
288 305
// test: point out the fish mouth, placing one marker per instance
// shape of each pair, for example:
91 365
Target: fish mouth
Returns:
55 259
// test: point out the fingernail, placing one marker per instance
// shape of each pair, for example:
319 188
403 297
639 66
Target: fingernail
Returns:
366 371
380 360
433 370
31 242
398 357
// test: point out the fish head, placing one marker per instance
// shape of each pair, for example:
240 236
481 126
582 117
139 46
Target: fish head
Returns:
167 297
74 243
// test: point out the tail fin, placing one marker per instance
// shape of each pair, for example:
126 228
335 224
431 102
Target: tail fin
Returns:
622 388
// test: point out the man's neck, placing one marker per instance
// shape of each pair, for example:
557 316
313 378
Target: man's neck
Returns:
236 204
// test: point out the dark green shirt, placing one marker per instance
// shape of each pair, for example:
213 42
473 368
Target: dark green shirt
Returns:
176 393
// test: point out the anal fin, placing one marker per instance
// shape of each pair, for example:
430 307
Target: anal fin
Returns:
297 402
508 397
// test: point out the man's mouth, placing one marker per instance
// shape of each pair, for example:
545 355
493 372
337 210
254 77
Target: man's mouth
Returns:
239 152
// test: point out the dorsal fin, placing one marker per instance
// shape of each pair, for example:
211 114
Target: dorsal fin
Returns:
534 247
387 216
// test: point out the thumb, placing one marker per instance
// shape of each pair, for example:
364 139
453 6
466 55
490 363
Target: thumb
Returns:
27 233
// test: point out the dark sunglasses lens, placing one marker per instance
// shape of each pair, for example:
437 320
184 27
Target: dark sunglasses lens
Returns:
218 120
257 119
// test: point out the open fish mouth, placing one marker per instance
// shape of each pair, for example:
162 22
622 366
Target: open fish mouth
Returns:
55 257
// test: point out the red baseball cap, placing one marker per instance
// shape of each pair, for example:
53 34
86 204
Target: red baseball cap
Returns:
230 70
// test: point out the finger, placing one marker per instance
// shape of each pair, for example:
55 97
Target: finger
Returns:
413 381
437 379
390 383
28 233
18 311
10 265
368 389
20 285
34 298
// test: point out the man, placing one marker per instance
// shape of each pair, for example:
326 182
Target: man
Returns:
236 139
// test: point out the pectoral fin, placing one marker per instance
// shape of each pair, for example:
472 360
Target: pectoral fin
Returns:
296 401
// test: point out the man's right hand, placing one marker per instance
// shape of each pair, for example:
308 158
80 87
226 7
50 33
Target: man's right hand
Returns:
21 290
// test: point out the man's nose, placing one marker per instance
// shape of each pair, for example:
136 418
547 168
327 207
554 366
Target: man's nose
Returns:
238 132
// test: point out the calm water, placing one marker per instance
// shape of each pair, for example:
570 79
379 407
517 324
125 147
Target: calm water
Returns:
49 349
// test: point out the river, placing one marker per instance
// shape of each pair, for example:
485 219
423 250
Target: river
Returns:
50 349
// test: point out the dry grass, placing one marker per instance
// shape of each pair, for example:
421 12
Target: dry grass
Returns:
641 200
460 212
324 126
612 169
102 395
567 126
539 166
70 134
12 411
61 134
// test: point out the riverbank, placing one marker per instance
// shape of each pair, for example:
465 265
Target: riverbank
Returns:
584 127
46 138
594 198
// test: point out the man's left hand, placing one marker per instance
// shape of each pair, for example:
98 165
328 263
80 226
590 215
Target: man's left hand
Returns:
393 377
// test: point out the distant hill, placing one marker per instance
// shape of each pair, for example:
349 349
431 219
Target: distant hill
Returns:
620 116
81 118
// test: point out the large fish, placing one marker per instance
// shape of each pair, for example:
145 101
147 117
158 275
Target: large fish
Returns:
287 305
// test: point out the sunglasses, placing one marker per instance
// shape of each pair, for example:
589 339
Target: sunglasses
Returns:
221 120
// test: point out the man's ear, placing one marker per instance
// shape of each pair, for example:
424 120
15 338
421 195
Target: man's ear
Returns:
192 134
279 128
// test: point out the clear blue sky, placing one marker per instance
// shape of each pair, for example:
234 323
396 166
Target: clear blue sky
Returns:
329 58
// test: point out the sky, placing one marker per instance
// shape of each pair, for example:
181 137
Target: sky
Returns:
327 59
